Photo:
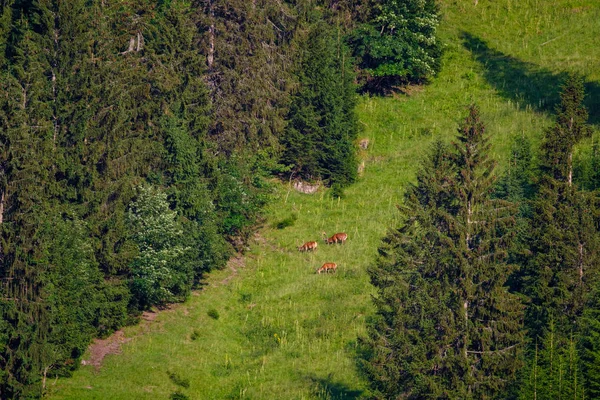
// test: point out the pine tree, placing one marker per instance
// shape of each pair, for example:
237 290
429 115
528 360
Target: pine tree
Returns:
553 370
318 143
564 243
570 127
27 180
447 326
590 347
247 71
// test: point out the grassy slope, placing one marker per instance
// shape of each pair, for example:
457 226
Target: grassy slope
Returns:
287 333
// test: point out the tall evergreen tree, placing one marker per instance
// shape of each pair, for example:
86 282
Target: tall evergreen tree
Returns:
570 127
564 243
318 143
247 71
590 346
553 370
447 326
27 182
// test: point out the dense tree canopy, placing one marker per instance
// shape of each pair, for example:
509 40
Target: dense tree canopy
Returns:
447 326
118 116
399 42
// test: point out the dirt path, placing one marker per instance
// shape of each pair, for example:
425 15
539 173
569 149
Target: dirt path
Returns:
100 348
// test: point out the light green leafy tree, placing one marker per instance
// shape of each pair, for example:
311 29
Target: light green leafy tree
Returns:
157 276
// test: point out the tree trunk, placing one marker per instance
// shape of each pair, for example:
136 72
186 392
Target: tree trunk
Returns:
580 264
570 169
210 58
2 207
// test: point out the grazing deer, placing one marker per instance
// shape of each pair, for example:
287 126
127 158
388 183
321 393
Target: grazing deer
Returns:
337 238
308 246
327 267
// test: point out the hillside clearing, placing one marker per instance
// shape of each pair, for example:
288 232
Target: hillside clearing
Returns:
274 328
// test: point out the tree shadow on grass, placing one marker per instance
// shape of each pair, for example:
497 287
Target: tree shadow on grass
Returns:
329 389
527 83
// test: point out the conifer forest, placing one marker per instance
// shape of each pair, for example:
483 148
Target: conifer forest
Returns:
299 199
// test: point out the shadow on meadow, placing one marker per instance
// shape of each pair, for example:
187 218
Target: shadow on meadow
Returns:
327 388
525 82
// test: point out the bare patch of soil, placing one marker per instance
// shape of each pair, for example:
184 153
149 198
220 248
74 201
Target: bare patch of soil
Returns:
234 264
100 348
149 316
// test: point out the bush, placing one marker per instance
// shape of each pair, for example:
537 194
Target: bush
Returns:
178 380
289 221
178 396
214 314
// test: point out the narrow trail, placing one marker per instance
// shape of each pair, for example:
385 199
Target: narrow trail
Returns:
111 345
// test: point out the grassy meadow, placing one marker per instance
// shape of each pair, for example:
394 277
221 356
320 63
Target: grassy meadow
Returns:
273 329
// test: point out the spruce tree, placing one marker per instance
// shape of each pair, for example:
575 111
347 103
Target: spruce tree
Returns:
564 244
27 180
570 127
447 326
318 143
590 347
247 71
553 369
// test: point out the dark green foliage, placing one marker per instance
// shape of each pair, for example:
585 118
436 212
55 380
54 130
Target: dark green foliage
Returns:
179 380
72 291
248 75
564 256
516 185
560 273
241 191
447 326
399 43
346 13
553 370
287 222
113 312
192 198
195 335
570 127
564 241
318 141
178 396
590 347
213 313
337 191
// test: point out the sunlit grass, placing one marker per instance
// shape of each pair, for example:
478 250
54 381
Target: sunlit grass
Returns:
284 332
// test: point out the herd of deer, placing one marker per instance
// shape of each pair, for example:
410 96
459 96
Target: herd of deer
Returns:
310 246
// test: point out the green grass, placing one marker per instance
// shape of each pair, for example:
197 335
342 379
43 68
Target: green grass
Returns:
277 330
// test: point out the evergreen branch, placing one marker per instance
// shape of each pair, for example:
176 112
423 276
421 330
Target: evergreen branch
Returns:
494 351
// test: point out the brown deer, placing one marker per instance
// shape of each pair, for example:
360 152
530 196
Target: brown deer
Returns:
337 238
308 246
327 267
